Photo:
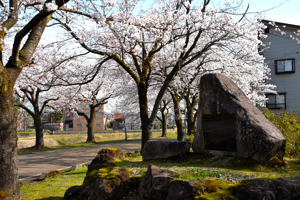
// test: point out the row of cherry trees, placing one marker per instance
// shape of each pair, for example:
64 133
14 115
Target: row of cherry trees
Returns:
153 45
163 48
60 82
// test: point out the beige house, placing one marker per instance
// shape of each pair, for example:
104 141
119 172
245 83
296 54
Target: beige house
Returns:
75 122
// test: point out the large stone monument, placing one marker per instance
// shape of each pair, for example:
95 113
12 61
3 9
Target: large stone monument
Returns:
229 122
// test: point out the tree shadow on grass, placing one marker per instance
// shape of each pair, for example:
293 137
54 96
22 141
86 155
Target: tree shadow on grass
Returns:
52 198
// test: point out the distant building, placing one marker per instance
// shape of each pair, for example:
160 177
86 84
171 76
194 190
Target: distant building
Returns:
118 121
283 58
75 122
53 126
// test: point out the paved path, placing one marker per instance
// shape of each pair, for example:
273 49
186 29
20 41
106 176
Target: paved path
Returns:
37 163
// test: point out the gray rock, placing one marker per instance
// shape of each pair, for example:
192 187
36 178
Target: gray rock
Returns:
105 184
75 167
155 183
184 189
104 180
46 175
228 121
158 149
73 192
268 189
108 155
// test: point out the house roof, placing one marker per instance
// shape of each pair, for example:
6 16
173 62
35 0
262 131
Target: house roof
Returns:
266 22
68 121
118 116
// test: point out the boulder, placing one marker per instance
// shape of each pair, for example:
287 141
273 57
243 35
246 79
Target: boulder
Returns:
190 189
108 155
155 183
268 189
105 183
73 192
228 121
46 175
104 180
184 189
158 149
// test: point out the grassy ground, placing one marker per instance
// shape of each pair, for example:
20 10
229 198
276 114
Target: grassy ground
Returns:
75 140
52 188
228 171
27 131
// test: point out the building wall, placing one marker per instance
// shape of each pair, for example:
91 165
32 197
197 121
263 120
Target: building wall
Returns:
80 123
283 47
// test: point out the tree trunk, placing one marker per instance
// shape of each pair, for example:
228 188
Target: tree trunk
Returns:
145 122
190 114
164 125
39 139
90 123
90 134
190 119
25 121
9 178
125 129
178 120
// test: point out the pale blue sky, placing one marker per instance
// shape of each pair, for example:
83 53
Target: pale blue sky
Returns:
288 12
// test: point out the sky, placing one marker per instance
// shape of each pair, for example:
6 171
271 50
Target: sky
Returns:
288 12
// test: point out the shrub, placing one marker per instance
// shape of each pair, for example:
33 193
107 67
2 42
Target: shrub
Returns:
289 125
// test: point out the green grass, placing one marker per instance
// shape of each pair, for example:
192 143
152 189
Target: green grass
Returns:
27 131
53 188
222 173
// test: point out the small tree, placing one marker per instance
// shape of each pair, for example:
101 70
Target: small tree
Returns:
289 125
94 107
95 94
164 111
31 95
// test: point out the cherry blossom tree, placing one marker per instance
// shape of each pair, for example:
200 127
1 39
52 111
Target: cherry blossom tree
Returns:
25 22
94 95
32 95
79 76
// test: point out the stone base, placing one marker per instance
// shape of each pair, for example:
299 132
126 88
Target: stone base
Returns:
155 149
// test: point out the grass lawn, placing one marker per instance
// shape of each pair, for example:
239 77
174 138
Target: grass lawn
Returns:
53 188
27 131
226 171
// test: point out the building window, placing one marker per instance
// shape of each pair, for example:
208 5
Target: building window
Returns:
79 105
285 66
98 125
276 101
98 115
267 30
78 125
87 106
